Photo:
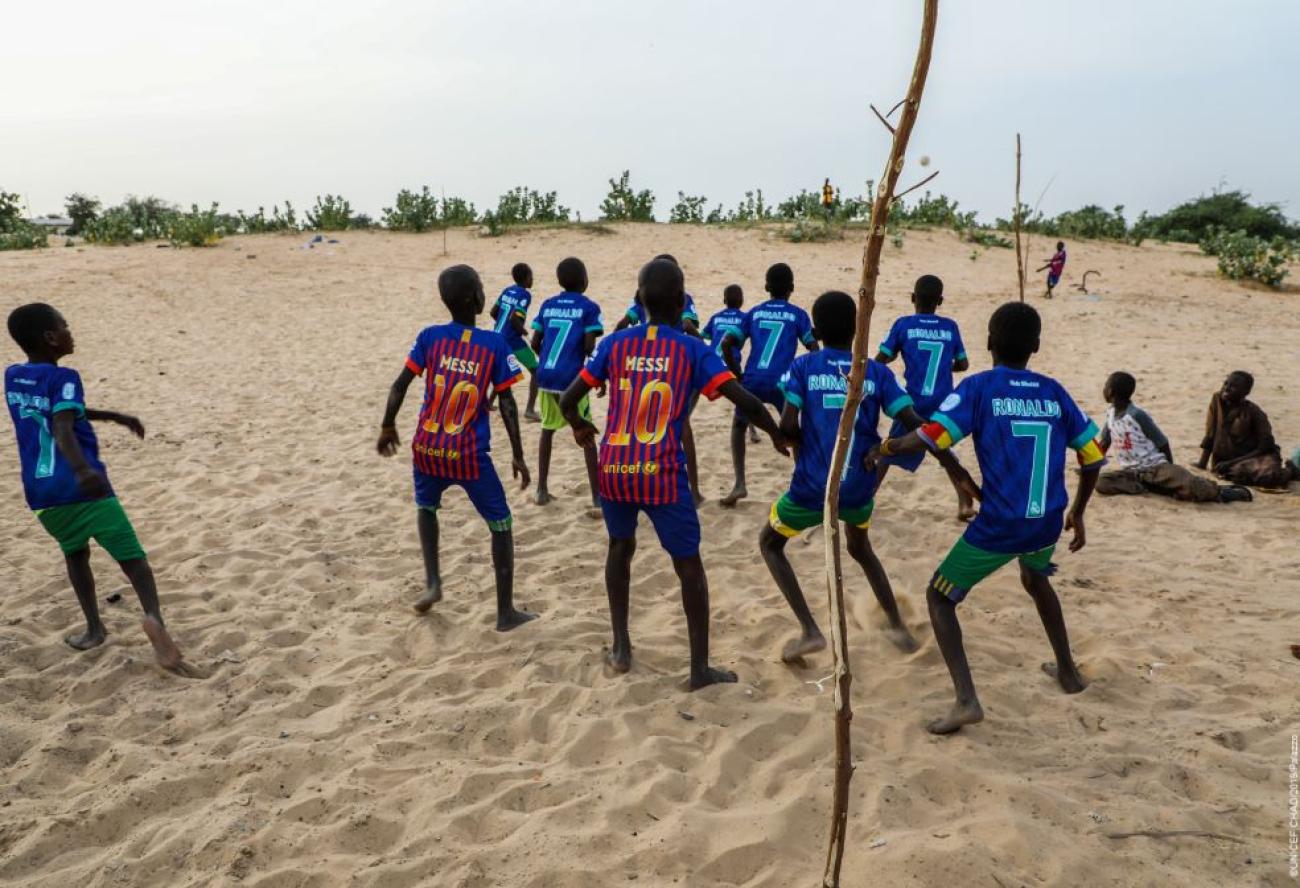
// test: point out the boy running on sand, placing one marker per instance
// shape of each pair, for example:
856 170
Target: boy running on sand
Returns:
453 439
1055 267
932 352
510 315
1142 452
65 481
1022 423
564 334
814 390
653 372
775 328
733 297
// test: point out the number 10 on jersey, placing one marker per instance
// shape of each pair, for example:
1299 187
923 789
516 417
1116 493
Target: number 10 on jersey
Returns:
655 394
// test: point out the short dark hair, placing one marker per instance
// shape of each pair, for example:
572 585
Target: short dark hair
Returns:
1241 375
662 287
1060 245
572 274
780 279
732 293
669 257
29 323
1122 384
520 272
1014 330
835 317
928 290
458 286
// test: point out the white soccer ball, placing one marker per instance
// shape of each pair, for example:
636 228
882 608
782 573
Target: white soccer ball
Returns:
925 160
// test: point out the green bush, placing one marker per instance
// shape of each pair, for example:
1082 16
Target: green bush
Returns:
16 233
331 213
411 211
812 230
82 210
136 219
985 238
689 209
751 209
1093 222
197 228
1192 220
260 223
928 210
622 204
522 205
457 211
1244 257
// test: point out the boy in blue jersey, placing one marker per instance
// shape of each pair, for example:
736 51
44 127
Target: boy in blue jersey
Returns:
1022 423
65 481
733 298
654 372
564 334
510 319
774 328
453 439
932 352
814 390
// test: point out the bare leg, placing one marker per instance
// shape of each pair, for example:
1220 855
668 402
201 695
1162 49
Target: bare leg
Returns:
753 434
1049 611
426 520
503 564
165 651
738 492
618 581
859 546
530 412
593 478
947 632
692 467
695 601
544 468
83 584
772 546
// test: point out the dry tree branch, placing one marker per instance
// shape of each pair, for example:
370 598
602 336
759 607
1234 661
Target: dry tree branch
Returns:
889 126
1173 834
1021 259
900 195
871 251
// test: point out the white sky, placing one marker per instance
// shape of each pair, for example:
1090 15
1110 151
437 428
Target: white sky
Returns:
1140 102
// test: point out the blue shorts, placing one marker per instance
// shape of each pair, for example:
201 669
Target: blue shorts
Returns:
485 492
1053 280
766 390
676 524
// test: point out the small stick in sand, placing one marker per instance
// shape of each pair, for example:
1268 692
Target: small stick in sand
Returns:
1173 834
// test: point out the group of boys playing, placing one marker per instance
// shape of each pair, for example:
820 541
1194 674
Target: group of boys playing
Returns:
654 367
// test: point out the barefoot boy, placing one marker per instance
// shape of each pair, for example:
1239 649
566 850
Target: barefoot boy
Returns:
564 334
653 372
814 390
453 440
775 328
64 480
1022 423
511 316
1055 267
932 352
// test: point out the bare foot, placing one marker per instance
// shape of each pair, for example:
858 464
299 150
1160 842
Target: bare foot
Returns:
543 497
165 650
794 650
1071 681
432 595
532 416
737 494
900 638
711 676
513 619
753 435
619 659
86 640
960 714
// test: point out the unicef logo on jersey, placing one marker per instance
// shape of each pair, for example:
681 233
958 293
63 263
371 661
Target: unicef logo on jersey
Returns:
950 402
69 391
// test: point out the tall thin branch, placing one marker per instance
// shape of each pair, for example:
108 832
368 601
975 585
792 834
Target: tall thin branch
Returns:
1020 258
853 399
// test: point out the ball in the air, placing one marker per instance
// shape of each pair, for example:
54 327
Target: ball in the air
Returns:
925 160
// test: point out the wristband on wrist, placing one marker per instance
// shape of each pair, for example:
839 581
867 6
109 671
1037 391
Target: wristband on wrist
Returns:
885 448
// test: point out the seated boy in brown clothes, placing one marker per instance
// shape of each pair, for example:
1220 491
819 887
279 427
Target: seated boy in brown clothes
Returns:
1144 458
1238 438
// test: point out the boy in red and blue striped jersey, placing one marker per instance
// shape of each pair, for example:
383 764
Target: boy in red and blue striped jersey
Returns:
654 372
462 365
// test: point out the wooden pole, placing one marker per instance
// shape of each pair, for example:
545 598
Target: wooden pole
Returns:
1020 262
853 398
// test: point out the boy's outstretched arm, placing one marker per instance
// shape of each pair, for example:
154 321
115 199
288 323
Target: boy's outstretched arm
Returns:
754 411
583 431
91 482
1074 520
388 440
882 358
915 442
510 419
731 345
122 419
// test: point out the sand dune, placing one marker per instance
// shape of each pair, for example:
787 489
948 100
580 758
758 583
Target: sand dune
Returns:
341 740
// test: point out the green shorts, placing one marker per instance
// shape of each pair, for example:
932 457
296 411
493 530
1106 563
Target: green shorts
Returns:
548 403
789 519
103 520
527 357
967 565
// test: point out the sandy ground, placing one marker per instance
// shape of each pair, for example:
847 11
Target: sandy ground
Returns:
342 740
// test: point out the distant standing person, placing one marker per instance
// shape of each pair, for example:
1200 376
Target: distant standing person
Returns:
510 317
828 197
1054 267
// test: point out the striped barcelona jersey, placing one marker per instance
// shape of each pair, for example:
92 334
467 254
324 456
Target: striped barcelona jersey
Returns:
653 373
459 363
1022 422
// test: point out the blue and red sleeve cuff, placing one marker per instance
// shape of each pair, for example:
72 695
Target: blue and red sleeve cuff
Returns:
414 367
505 384
710 389
586 376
